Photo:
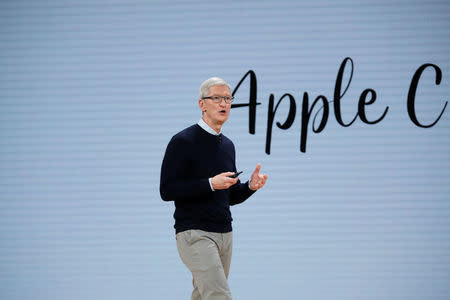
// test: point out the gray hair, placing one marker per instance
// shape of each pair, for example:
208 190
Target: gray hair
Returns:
213 81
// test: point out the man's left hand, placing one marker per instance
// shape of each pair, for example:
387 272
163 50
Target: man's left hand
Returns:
257 180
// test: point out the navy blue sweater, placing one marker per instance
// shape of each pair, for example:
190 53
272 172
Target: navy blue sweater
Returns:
192 156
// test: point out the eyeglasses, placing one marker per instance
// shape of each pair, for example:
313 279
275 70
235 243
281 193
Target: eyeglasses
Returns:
218 99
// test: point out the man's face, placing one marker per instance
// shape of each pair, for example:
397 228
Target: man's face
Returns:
216 113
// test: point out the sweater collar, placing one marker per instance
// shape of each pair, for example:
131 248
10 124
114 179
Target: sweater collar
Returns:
206 127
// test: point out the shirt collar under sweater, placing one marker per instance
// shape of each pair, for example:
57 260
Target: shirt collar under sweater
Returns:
206 127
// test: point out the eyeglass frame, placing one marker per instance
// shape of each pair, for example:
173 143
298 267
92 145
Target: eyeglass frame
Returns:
220 98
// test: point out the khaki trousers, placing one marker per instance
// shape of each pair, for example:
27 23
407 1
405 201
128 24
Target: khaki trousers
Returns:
208 256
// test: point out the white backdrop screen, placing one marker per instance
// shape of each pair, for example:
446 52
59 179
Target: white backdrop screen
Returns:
357 204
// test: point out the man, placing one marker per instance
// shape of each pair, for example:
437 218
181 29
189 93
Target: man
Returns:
197 173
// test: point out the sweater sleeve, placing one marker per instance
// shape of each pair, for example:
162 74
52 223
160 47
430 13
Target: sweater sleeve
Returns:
240 192
174 183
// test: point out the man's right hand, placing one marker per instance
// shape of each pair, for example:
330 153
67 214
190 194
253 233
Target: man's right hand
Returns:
223 181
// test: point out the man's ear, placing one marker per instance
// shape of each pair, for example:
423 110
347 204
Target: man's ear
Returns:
201 104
